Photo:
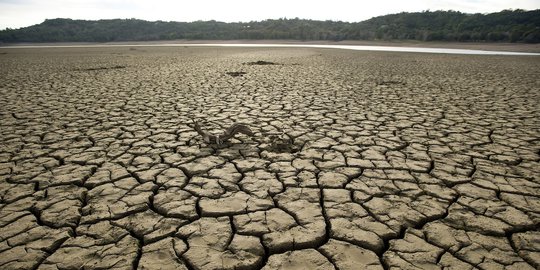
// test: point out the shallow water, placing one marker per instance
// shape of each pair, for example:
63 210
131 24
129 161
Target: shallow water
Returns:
378 48
345 47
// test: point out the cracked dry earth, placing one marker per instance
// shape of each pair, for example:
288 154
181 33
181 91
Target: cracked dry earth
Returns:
395 160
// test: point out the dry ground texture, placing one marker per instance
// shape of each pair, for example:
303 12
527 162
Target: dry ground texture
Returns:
360 160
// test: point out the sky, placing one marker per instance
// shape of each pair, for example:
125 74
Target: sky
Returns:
22 13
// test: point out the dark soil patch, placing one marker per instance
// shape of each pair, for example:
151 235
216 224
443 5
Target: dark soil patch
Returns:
236 73
282 145
284 148
390 82
103 68
261 63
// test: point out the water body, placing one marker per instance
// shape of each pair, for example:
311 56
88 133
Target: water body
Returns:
343 47
377 48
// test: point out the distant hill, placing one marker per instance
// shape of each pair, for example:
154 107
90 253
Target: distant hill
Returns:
504 26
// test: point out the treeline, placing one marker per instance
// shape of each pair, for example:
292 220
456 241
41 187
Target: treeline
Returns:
507 25
504 26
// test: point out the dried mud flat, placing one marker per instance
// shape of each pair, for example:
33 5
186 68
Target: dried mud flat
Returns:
360 160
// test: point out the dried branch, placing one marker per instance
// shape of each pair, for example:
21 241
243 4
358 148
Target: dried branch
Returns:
226 135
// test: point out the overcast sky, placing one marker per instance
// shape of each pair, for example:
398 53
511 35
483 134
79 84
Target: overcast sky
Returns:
21 13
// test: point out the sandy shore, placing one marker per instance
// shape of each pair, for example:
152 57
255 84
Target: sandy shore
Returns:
358 159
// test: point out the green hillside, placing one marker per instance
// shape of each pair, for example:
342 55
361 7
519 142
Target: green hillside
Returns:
504 26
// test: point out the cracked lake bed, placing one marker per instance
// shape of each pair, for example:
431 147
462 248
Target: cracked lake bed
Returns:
358 160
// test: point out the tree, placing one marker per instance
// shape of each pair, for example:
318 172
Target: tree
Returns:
507 25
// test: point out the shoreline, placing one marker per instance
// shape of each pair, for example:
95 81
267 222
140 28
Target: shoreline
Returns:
504 47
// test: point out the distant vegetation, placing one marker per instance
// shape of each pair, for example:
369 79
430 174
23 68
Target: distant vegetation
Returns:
504 26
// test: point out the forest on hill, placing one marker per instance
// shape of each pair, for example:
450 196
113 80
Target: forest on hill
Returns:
504 26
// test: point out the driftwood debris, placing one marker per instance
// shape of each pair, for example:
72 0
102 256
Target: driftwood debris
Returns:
226 135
